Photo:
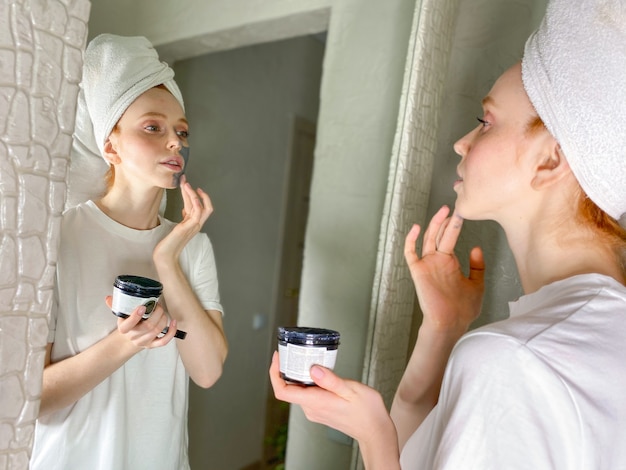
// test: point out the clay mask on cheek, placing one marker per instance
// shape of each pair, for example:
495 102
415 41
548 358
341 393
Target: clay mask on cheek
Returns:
184 152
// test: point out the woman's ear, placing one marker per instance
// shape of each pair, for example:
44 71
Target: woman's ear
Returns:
110 151
552 167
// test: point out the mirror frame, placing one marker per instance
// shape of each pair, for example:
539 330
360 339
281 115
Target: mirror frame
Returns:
411 166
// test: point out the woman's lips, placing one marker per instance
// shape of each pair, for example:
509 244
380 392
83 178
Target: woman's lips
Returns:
175 163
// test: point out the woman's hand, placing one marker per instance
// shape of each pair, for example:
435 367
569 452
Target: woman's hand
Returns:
196 210
145 334
348 406
450 301
448 298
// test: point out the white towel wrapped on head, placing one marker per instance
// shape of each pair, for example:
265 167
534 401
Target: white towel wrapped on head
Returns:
574 71
116 71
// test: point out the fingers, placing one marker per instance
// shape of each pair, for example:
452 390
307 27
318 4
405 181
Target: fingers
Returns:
342 404
196 203
449 234
206 201
125 325
440 236
277 382
410 254
433 230
185 195
327 379
204 205
323 377
442 232
147 333
477 264
162 339
282 390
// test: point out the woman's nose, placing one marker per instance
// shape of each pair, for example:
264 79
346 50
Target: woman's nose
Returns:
175 144
462 145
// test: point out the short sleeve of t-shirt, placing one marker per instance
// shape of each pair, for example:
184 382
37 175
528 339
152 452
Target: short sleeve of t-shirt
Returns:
198 262
494 385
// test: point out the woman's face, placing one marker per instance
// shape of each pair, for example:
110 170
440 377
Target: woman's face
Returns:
495 171
148 140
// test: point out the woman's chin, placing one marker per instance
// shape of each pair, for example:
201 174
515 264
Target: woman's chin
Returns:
174 182
464 211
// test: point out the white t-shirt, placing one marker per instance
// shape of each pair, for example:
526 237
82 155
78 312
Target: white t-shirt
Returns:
137 417
544 389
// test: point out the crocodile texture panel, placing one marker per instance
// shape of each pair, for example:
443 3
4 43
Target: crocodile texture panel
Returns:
41 43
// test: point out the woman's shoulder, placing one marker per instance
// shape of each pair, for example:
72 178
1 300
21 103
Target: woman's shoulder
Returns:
79 207
84 210
564 335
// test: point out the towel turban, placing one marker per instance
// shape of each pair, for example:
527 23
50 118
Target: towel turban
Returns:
574 72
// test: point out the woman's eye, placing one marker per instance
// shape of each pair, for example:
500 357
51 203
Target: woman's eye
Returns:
183 134
483 122
152 128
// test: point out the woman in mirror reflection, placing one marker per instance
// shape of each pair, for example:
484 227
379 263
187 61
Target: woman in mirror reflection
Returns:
543 389
115 390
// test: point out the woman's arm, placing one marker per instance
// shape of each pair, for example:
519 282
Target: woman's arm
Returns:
68 380
450 301
204 350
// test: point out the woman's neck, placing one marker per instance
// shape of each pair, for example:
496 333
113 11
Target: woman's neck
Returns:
137 211
546 253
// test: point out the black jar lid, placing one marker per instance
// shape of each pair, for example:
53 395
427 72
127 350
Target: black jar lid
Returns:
308 336
138 285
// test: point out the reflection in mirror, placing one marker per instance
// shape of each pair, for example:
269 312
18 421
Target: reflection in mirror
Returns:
245 105
120 355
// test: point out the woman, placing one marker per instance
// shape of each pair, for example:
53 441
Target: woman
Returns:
115 390
544 388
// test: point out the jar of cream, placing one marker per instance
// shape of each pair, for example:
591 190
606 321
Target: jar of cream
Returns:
129 292
301 347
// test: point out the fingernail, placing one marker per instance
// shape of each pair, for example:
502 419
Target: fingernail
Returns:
317 372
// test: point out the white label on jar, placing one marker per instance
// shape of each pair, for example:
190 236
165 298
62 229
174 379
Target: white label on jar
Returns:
125 304
296 360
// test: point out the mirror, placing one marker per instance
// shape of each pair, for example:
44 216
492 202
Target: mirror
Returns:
362 80
252 111
353 141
